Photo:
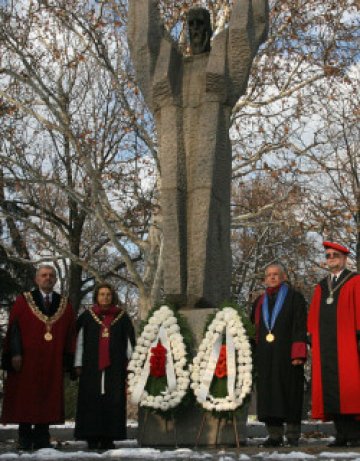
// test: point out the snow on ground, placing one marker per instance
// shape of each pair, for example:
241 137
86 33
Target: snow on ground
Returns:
148 454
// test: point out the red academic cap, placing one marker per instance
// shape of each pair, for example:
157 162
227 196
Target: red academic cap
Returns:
336 246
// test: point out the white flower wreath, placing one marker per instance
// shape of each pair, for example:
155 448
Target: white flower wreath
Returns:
239 362
162 326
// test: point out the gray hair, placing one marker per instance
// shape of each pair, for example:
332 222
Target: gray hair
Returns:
280 266
46 266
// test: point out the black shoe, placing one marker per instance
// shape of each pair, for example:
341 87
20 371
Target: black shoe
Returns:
93 444
353 443
272 443
25 445
107 445
292 442
40 445
338 442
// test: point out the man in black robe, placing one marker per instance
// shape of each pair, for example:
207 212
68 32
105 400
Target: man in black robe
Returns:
280 319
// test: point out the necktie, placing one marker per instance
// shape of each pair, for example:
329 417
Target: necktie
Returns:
334 281
47 302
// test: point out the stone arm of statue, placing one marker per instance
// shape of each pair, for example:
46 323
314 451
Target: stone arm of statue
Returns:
248 29
145 33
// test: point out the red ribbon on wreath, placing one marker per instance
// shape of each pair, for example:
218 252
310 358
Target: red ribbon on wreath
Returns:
158 361
221 366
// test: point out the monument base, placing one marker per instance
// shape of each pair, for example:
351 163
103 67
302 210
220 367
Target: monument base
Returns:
154 431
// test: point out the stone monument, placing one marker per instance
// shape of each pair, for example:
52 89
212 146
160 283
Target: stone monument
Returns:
191 98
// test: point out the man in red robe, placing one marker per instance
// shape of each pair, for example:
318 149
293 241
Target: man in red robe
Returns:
334 329
39 344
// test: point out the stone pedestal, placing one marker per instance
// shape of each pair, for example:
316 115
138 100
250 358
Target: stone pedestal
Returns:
154 431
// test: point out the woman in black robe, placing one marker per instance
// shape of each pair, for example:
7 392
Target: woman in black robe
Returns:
104 344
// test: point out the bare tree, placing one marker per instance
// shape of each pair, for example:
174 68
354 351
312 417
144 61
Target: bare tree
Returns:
78 151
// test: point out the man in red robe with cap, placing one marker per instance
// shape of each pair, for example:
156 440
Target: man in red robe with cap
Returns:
39 343
334 329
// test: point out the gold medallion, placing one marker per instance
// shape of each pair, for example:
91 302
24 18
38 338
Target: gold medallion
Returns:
48 336
270 337
105 333
329 300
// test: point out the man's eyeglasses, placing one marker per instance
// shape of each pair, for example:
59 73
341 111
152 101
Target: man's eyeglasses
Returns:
332 255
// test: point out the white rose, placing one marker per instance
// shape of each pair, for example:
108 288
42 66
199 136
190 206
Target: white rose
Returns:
170 321
216 336
148 328
182 362
152 321
219 327
175 337
207 406
174 329
209 336
203 346
176 355
219 315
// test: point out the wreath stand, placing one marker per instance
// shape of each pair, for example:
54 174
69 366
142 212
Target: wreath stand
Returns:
220 420
146 415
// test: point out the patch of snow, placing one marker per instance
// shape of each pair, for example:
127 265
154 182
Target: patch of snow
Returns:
292 455
342 455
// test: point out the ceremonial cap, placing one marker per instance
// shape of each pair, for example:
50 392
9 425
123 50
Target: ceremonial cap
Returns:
336 246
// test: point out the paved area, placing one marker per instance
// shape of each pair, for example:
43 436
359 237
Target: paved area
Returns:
312 447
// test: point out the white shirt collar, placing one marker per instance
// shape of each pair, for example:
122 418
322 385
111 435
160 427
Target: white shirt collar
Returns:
337 275
47 294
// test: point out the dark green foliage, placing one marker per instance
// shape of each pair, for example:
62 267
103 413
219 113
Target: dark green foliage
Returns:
155 386
218 387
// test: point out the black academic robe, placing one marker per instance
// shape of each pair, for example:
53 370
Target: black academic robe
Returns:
280 385
103 415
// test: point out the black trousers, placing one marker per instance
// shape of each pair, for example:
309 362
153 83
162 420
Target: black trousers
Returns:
347 427
275 428
34 436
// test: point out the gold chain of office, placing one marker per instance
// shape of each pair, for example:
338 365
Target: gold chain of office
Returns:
105 331
48 321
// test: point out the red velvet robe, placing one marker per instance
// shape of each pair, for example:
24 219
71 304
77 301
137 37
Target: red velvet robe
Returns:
35 393
348 358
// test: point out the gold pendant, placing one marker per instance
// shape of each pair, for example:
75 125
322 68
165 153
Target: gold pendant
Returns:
48 336
105 333
329 300
270 337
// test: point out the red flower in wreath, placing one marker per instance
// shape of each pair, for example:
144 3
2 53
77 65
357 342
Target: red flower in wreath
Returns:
158 361
221 366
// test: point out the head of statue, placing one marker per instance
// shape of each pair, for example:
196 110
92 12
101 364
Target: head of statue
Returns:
199 28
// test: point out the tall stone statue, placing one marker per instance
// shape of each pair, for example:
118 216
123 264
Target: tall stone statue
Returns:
191 98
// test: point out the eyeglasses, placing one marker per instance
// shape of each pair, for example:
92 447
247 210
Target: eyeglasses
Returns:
332 255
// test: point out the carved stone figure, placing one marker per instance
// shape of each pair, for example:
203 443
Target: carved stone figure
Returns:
191 98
